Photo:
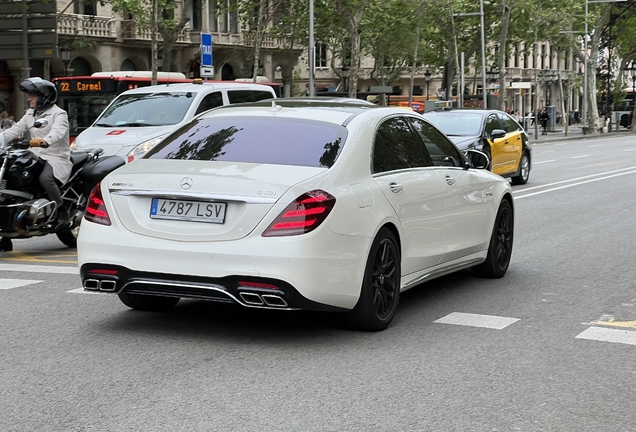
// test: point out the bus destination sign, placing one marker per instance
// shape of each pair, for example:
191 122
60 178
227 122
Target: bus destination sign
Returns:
82 86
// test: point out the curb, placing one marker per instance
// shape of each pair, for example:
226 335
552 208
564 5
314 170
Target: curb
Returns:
577 135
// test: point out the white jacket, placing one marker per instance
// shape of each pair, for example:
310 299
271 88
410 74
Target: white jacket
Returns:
58 153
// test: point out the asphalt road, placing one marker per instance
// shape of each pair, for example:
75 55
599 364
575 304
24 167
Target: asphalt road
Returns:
550 347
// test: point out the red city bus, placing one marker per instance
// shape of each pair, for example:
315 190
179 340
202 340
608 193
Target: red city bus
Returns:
85 97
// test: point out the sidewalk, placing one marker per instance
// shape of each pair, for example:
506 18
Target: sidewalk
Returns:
575 132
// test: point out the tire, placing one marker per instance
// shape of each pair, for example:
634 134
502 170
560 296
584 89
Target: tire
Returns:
68 237
500 248
524 170
380 291
148 302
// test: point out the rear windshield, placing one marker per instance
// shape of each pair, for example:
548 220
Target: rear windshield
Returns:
151 109
255 140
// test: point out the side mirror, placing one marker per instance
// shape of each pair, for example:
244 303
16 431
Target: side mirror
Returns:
39 124
477 159
497 133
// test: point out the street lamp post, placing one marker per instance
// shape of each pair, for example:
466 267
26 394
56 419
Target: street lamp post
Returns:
66 52
427 77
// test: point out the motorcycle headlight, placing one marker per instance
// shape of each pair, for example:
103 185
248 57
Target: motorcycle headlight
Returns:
144 147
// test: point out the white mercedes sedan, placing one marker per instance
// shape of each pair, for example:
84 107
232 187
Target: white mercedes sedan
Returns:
286 205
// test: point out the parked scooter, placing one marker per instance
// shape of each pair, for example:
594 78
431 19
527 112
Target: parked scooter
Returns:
26 211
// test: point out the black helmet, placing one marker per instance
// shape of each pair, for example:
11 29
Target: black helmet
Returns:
46 90
25 170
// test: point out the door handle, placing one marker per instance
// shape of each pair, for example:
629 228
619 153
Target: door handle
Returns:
395 187
506 143
450 180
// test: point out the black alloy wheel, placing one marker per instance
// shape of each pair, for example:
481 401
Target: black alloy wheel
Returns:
500 249
380 292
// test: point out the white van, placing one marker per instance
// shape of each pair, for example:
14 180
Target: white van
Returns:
138 119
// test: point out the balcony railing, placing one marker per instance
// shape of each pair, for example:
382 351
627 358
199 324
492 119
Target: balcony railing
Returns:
86 25
130 30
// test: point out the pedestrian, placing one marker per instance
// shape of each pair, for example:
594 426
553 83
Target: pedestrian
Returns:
515 115
6 121
56 156
543 121
577 117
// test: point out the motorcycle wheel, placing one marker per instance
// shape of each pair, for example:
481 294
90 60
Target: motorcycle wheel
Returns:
69 237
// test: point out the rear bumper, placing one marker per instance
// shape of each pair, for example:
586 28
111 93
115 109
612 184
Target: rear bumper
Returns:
316 271
231 289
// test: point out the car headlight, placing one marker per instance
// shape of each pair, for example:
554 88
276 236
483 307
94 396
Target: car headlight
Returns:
144 147
77 143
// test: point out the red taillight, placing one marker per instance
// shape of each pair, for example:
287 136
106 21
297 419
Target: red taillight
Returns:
305 214
95 209
104 272
246 284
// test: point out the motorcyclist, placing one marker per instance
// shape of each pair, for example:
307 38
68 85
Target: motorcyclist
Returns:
42 95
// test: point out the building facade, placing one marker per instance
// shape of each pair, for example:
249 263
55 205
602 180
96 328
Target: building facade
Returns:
102 41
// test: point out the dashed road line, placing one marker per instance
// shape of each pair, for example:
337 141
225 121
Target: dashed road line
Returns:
537 163
578 157
83 291
603 334
39 269
476 320
6 284
631 149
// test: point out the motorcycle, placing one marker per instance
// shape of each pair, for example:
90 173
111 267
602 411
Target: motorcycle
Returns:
26 211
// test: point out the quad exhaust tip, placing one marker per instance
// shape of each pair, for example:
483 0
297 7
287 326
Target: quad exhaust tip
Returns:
271 300
100 285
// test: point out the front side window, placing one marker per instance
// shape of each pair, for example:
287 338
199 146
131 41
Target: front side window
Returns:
147 109
254 140
441 150
213 100
395 147
508 123
492 123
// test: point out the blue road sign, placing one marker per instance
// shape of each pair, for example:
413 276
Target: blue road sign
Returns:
206 49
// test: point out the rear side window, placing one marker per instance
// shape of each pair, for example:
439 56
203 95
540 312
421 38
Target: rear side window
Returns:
239 96
254 140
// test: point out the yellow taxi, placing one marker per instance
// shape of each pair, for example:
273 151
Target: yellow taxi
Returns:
493 132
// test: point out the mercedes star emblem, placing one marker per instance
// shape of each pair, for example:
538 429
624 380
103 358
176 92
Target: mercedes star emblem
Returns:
186 183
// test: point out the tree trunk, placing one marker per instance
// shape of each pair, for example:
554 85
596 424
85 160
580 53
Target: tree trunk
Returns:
258 39
501 61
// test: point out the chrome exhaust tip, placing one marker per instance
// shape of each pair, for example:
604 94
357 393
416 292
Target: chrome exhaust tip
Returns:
274 300
251 298
107 285
91 284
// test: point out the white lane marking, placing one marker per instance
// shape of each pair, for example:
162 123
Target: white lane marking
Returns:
573 184
578 157
597 145
537 163
83 291
578 178
609 335
6 284
475 320
548 151
632 149
39 269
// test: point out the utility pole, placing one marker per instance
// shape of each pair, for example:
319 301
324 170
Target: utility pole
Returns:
153 41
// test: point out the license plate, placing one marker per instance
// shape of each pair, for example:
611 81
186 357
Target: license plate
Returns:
192 211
